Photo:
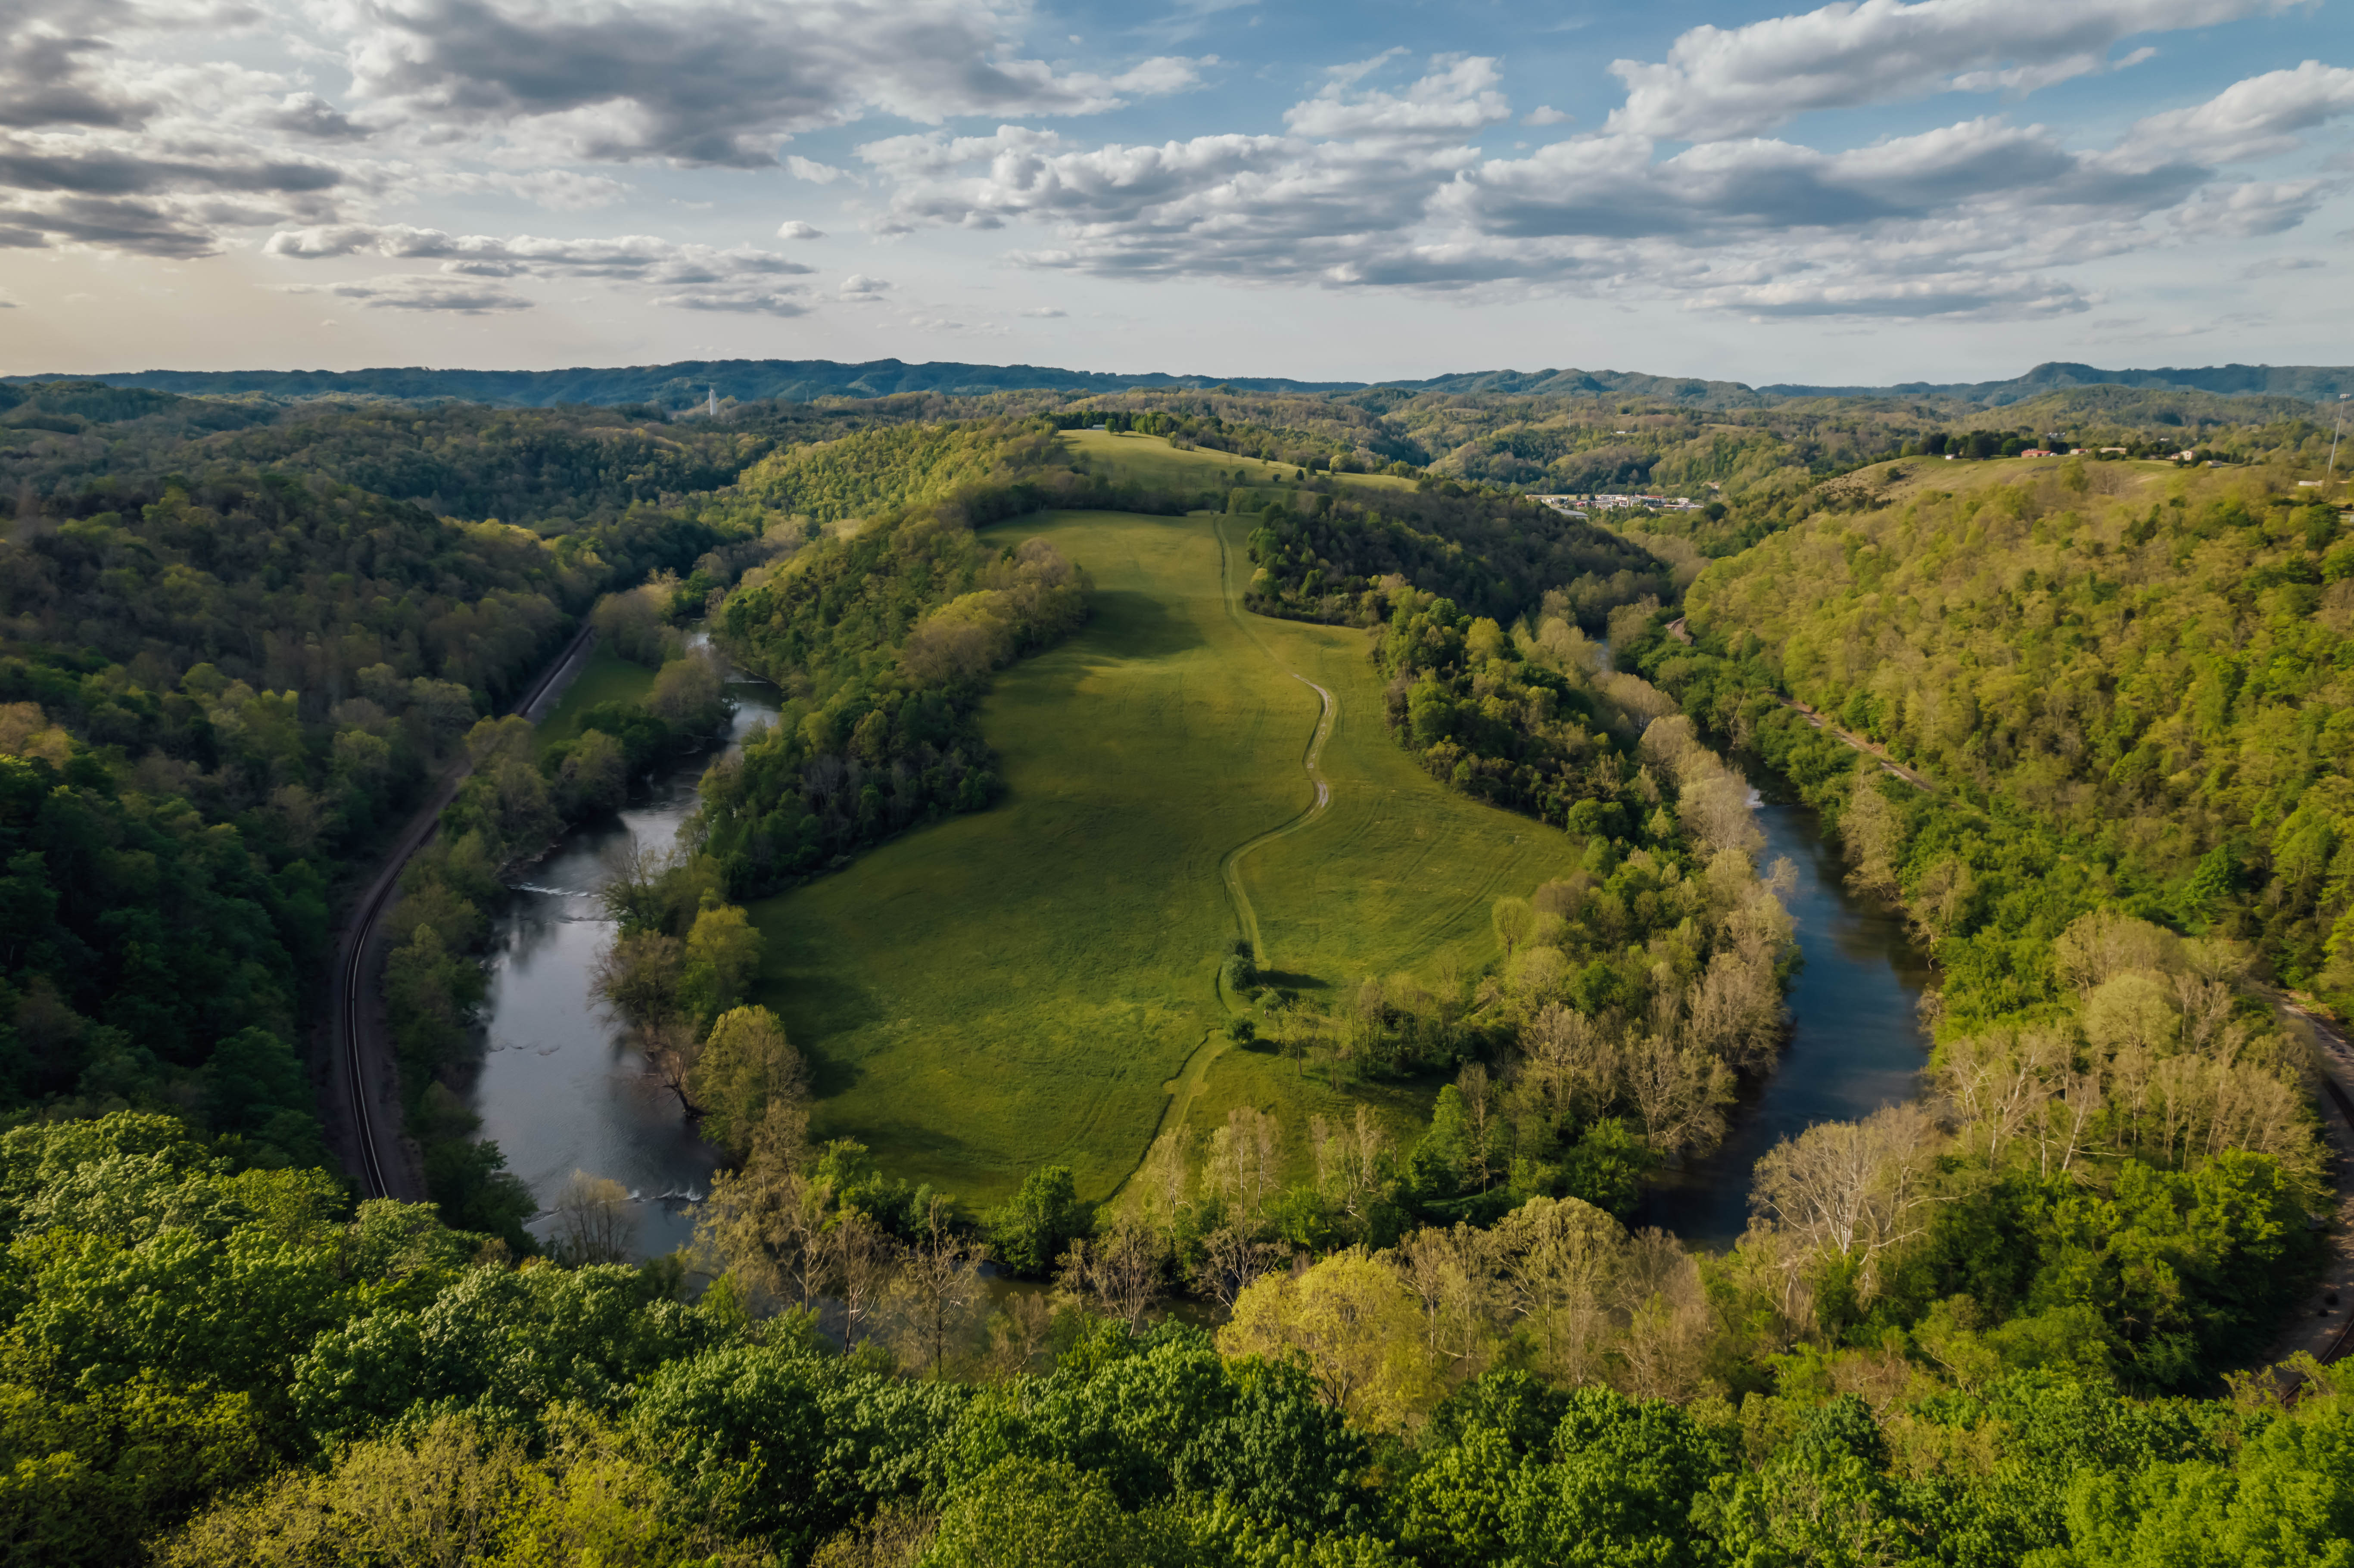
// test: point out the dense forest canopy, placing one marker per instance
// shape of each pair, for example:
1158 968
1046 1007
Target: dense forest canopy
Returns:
239 641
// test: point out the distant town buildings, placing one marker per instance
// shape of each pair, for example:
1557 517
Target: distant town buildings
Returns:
1577 506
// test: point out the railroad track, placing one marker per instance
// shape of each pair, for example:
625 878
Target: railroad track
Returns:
351 978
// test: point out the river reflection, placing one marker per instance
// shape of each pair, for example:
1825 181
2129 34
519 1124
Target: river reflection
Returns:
1856 1042
559 1090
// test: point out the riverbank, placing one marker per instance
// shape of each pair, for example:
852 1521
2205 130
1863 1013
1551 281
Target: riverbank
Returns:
559 1088
1856 1041
358 1080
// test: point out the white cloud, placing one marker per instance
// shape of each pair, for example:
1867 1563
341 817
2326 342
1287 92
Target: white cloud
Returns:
103 146
1455 98
2252 119
560 190
1046 312
420 292
2255 208
859 286
704 82
942 323
794 229
1972 217
1725 82
817 174
2276 266
1546 114
688 276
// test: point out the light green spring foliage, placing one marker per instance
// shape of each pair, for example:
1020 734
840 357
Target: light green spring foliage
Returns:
209 1365
2152 662
1013 989
876 471
745 1067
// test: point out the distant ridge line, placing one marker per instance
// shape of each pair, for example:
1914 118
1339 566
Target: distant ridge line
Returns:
686 382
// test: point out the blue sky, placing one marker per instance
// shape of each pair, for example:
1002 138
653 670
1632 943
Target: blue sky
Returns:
1945 189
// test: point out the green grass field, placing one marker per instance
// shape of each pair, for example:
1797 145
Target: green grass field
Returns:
1021 986
606 678
1150 460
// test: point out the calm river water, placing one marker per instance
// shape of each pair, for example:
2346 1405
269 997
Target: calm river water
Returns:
1856 1042
559 1090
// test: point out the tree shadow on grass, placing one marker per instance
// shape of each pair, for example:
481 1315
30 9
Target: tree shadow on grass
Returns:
817 1005
1135 625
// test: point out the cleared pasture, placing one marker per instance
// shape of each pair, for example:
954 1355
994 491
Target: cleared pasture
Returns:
1021 986
1150 460
605 677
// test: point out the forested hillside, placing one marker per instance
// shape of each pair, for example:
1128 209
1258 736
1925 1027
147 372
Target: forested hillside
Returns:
1994 1326
238 1367
1495 555
882 641
2149 662
222 680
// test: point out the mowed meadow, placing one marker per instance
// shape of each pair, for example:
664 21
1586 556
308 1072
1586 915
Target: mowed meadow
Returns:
1026 985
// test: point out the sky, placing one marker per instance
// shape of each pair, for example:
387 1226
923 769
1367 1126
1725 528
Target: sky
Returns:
1374 190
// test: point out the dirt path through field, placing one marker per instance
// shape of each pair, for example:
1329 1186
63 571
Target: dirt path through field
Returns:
1230 868
1182 1088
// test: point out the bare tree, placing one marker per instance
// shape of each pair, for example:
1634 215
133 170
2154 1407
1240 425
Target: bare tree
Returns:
1680 1095
1568 1063
1855 1188
2206 1008
670 1051
638 977
594 1223
632 894
1123 1270
1167 1176
1231 1260
2063 1123
1348 1160
1667 1314
1450 1273
1479 1094
1245 1159
1019 1330
861 1259
936 1289
1998 1084
763 1227
1734 1009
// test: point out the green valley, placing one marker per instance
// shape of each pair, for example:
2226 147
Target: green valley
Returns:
1014 987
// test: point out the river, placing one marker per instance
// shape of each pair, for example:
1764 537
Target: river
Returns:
1856 1041
560 1090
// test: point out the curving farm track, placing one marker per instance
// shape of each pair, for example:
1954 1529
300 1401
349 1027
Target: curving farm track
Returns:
362 1081
1230 868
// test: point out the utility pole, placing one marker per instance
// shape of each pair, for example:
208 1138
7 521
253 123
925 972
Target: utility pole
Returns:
2333 441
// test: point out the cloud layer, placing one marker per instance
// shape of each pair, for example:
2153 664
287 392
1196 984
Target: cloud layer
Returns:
1374 188
1385 173
1718 83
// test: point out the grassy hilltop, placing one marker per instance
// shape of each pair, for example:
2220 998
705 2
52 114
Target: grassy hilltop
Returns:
1015 987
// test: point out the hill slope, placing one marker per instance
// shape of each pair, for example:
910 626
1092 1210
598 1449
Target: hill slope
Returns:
1013 988
686 383
2305 382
